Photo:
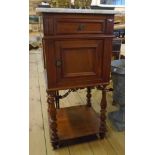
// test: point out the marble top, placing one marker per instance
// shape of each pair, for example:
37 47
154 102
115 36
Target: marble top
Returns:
86 11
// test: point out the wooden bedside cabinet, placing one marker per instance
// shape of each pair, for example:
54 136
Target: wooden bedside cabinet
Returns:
77 54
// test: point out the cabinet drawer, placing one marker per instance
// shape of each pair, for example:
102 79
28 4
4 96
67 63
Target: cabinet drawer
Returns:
80 26
58 24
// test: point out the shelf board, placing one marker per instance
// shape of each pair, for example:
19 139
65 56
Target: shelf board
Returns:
77 121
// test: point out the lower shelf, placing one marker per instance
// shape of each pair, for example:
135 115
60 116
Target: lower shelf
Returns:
77 121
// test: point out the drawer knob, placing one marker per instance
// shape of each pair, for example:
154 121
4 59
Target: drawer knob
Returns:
81 27
58 63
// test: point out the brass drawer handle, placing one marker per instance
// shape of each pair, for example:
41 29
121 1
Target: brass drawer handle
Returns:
81 27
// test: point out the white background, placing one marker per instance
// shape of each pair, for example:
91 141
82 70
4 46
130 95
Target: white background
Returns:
14 77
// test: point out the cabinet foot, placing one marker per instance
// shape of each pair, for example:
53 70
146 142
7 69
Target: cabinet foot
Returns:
55 146
102 135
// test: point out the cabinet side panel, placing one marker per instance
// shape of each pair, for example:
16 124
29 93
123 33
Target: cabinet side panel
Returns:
50 62
107 59
43 53
48 25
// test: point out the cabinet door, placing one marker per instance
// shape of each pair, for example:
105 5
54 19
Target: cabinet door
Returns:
78 62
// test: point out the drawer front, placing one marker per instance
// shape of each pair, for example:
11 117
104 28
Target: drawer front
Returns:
79 26
57 24
67 24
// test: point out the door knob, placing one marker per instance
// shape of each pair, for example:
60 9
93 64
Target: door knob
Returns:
58 63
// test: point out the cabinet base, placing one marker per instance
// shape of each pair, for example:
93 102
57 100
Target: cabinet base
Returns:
76 124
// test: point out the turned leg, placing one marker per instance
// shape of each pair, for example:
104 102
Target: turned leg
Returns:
52 119
89 97
103 113
57 100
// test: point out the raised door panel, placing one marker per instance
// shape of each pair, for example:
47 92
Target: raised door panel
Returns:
73 58
78 61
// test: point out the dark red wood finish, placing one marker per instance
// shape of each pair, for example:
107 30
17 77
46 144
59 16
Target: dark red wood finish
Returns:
77 54
82 54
